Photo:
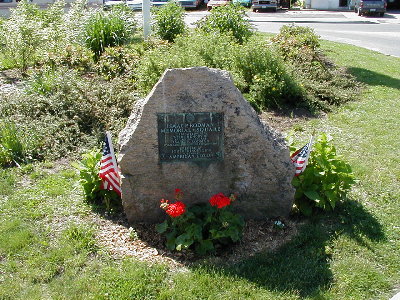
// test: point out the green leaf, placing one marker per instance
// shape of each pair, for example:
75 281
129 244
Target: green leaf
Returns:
183 241
313 195
204 247
162 227
170 244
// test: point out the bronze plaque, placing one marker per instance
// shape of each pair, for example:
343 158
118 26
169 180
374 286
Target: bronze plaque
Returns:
197 137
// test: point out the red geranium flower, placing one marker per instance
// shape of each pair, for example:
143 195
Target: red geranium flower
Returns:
176 209
220 200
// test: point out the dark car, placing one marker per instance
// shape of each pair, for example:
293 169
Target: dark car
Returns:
370 7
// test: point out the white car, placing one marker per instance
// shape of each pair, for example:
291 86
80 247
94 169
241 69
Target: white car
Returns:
132 4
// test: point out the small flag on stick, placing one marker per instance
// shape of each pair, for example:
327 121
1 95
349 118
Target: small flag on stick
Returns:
109 172
300 157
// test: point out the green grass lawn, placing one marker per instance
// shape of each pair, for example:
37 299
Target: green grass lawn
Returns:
352 253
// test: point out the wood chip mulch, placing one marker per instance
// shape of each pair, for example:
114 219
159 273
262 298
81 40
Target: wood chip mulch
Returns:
142 242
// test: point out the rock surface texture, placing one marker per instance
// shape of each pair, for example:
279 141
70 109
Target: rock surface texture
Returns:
254 163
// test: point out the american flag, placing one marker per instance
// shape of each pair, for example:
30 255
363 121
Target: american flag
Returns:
109 172
300 157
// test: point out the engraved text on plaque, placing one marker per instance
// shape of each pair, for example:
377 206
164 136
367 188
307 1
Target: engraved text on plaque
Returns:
190 136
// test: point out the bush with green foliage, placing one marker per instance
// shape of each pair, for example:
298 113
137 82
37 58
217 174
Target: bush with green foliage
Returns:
263 77
73 56
67 112
325 84
117 62
42 82
32 35
188 51
326 180
89 168
22 36
293 41
229 19
169 21
257 71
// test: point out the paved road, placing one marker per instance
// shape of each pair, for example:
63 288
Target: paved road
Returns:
381 34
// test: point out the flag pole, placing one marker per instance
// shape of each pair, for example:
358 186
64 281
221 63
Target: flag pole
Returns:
111 147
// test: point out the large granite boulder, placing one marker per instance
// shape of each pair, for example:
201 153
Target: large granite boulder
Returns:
196 132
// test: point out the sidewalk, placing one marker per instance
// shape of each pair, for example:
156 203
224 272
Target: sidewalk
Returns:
321 16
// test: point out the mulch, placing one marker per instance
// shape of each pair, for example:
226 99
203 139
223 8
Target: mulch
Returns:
142 242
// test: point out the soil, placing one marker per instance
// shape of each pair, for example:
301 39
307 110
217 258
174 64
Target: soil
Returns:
285 120
143 242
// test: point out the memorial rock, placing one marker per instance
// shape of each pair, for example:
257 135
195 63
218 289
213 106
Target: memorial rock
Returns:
196 132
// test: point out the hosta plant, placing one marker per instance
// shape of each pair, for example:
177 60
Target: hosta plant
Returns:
326 180
202 227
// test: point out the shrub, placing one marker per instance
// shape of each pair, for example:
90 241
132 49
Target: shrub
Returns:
201 227
187 51
42 82
73 56
257 72
263 77
294 40
75 21
22 36
169 21
73 114
54 29
324 83
326 180
117 61
229 19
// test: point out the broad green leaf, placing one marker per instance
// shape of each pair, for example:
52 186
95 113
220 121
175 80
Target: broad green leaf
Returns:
313 195
204 247
162 227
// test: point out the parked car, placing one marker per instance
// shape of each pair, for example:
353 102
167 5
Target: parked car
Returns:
190 3
245 3
258 5
158 2
132 4
216 3
362 7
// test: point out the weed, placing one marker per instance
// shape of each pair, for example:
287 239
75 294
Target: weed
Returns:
11 147
169 21
7 182
81 236
105 30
